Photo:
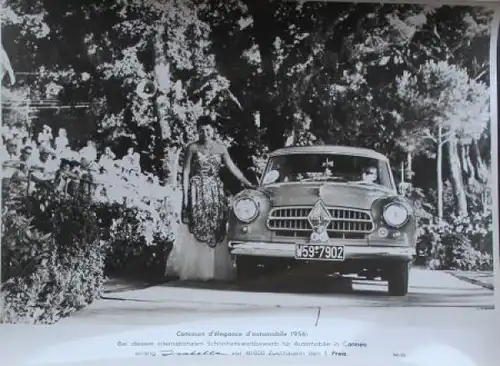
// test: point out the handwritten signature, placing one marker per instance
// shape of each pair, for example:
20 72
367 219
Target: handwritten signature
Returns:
192 353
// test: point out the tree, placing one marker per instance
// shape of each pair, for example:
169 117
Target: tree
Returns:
139 72
16 103
445 105
118 51
185 81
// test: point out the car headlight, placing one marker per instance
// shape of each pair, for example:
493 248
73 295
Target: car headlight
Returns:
245 209
395 214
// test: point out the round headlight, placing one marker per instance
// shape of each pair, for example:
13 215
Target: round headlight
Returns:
395 215
245 209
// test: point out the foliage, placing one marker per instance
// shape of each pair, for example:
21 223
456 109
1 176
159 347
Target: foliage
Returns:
441 94
422 206
163 43
460 243
463 244
14 110
304 74
479 197
60 245
152 216
127 247
52 258
424 202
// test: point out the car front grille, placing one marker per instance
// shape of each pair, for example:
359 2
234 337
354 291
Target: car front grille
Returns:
346 223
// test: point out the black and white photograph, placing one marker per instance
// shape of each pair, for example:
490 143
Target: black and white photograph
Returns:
248 181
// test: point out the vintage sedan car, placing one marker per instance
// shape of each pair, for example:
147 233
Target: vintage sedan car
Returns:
328 208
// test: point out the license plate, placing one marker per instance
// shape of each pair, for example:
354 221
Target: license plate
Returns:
320 252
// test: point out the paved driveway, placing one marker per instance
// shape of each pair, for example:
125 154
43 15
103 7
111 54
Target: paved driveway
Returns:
442 321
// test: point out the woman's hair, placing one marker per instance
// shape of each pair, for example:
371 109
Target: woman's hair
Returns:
74 164
204 121
64 162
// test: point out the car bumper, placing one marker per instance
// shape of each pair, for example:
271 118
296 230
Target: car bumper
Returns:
352 252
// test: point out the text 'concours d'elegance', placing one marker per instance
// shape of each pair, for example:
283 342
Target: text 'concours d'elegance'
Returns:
229 143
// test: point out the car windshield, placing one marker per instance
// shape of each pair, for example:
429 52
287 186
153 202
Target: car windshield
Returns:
328 167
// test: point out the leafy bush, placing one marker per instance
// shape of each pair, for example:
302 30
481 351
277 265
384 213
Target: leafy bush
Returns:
463 244
52 258
57 249
129 252
423 206
428 200
138 217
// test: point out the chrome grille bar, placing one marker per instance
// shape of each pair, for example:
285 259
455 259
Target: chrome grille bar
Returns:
344 220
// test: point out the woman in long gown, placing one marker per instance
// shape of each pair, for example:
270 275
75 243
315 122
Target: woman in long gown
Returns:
200 251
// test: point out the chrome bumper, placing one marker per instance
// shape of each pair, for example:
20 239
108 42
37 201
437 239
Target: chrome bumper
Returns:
287 250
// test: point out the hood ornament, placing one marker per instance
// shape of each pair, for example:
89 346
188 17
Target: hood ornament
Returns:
319 218
321 191
318 191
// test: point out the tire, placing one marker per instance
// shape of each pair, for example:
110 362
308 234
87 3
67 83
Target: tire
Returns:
247 269
398 279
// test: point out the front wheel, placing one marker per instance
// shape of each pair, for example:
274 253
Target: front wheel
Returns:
398 278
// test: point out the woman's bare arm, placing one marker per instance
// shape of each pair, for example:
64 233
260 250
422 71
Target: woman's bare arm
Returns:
234 169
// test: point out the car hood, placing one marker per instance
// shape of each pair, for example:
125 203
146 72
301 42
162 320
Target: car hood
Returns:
332 194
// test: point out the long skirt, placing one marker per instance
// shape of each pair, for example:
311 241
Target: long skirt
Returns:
193 260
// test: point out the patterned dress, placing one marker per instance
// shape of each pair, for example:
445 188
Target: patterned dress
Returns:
200 251
207 204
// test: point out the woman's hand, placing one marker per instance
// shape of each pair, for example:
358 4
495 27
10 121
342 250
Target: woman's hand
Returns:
249 185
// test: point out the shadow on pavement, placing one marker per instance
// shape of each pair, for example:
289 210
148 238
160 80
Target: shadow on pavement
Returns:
366 293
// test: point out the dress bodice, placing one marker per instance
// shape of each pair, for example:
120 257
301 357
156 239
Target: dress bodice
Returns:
206 164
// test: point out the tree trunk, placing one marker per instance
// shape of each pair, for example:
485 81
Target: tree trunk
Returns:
484 200
480 168
162 75
466 171
482 173
440 175
409 169
171 166
456 178
273 124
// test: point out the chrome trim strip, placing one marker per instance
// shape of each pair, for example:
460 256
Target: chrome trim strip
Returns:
287 250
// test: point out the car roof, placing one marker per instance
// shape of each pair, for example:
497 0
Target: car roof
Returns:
330 149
